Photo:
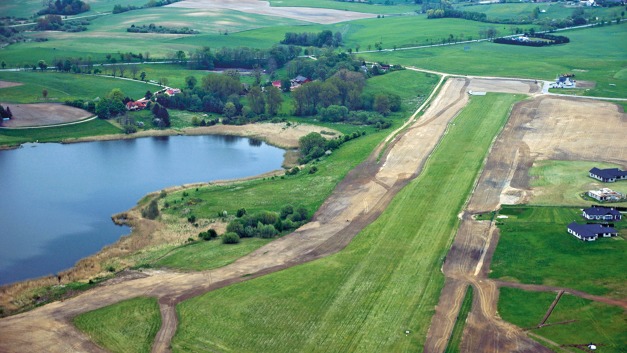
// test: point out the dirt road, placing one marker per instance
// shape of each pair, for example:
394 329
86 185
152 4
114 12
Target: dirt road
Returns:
542 127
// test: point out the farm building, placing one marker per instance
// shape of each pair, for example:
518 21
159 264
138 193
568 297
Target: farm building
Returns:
591 232
172 91
137 105
563 81
609 175
606 194
598 213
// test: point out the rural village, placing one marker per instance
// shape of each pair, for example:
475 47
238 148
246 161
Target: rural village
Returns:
429 176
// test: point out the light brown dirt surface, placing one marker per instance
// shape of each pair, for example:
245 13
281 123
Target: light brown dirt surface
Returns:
339 219
280 135
543 127
309 14
41 114
7 84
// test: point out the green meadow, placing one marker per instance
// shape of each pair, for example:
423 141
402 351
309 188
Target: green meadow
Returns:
553 10
13 137
535 248
374 7
365 297
129 326
573 321
65 86
592 55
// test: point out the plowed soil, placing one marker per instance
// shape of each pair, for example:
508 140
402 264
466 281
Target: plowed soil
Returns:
309 14
41 114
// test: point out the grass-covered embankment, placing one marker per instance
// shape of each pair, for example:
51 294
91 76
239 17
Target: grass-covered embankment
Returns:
573 321
126 327
535 248
458 330
385 282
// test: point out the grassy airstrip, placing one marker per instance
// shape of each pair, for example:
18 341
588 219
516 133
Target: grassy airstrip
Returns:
592 322
365 297
126 327
534 247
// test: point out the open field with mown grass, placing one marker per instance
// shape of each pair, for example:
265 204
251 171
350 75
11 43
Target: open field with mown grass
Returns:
458 330
563 182
55 134
592 55
595 322
126 327
365 297
65 86
535 248
27 8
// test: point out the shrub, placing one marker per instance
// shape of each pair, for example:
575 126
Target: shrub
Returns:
152 211
230 238
210 234
241 212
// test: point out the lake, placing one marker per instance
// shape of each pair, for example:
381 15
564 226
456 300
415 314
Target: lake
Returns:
56 200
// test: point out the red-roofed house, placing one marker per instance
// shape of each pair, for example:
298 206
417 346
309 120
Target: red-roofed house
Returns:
277 84
138 105
172 91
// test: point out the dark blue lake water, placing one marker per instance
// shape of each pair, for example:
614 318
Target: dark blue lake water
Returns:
56 200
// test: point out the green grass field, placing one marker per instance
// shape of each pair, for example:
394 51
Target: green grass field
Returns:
458 330
206 255
65 86
514 11
535 248
95 127
591 50
375 7
563 182
595 322
365 297
126 327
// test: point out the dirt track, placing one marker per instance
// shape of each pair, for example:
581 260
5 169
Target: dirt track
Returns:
309 14
542 127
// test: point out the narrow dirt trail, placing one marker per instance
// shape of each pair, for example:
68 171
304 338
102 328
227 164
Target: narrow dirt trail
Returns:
358 200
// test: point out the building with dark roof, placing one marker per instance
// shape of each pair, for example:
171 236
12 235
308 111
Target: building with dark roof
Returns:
598 213
591 232
609 175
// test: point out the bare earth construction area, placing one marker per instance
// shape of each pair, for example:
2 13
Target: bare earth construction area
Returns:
316 15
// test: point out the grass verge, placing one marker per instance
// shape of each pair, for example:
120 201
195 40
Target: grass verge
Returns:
458 330
126 327
365 297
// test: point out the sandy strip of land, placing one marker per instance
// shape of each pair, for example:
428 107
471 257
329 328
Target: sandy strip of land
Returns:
544 127
281 135
7 84
309 14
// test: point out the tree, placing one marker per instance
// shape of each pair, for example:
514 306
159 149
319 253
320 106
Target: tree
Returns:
152 211
134 70
312 145
42 65
256 100
230 238
142 76
3 64
286 85
44 93
274 100
180 56
114 70
229 110
191 81
381 104
122 69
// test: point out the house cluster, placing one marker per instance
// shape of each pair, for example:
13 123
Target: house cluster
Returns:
143 103
564 81
374 68
593 231
609 175
294 83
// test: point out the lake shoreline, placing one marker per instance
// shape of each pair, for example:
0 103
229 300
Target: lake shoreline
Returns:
142 231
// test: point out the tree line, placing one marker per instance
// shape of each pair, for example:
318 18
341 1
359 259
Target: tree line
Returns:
325 38
152 28
548 40
152 3
63 7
